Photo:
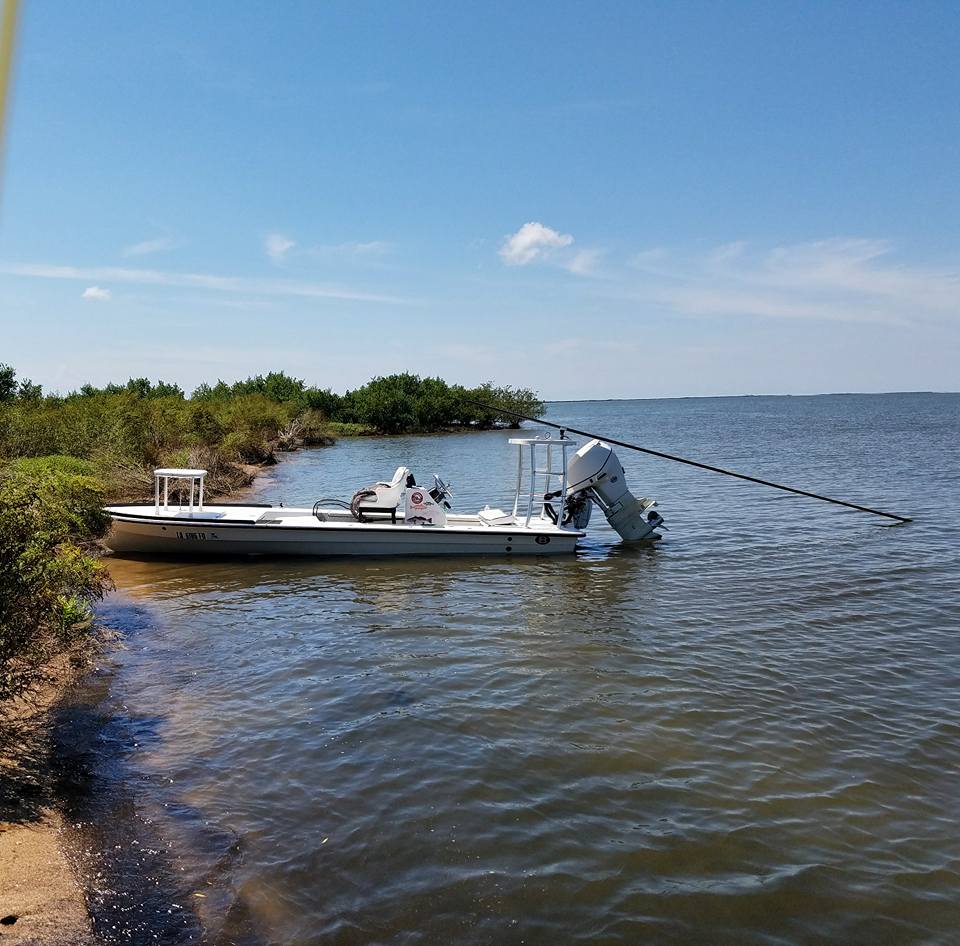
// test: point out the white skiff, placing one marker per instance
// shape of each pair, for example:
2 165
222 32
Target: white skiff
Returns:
395 517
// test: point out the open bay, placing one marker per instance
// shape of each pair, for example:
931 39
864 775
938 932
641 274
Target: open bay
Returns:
748 734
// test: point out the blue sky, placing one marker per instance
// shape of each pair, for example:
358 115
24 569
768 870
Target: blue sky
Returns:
596 200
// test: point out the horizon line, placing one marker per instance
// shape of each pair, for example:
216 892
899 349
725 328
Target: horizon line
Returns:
705 397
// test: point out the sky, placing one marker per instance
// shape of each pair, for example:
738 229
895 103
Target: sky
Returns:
595 200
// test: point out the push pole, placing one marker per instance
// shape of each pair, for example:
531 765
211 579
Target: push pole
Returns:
696 463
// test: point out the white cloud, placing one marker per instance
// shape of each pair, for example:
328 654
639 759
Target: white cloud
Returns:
146 247
236 284
357 250
371 248
836 279
277 246
532 241
584 262
96 294
655 261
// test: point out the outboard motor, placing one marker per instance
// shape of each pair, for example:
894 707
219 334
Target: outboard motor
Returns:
596 472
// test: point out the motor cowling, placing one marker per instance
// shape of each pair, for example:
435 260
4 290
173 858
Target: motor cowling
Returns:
596 470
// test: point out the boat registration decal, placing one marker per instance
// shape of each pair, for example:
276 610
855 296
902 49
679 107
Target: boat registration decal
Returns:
197 535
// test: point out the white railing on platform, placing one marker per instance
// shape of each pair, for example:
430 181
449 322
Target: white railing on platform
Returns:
531 503
196 478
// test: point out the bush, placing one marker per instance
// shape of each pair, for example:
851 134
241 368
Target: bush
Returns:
403 403
276 386
128 428
205 424
341 428
246 447
324 401
50 513
8 383
314 430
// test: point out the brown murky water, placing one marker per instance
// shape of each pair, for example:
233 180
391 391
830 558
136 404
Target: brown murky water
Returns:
750 734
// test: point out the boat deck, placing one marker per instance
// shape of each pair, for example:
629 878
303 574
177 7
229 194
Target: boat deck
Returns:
290 517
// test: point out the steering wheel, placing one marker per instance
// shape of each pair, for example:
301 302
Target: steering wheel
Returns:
442 491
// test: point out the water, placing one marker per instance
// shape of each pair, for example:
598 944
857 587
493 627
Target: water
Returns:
749 734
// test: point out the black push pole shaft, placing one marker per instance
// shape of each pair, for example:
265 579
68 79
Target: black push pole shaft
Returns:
702 466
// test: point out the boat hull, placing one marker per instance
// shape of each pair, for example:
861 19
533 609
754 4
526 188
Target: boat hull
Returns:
180 538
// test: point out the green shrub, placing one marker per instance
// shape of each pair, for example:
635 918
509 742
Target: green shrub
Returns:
276 386
8 383
54 465
205 424
50 513
314 429
247 447
324 401
127 428
341 428
402 403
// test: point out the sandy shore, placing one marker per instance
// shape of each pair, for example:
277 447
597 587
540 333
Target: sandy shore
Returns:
41 899
38 888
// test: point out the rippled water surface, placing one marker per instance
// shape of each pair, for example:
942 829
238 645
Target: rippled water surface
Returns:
749 734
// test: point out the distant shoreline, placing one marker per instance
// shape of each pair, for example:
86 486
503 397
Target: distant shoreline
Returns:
717 397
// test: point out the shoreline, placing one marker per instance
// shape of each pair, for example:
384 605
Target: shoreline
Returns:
42 897
59 810
51 865
82 861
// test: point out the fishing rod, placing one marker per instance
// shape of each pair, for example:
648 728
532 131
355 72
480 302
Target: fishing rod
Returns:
696 463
